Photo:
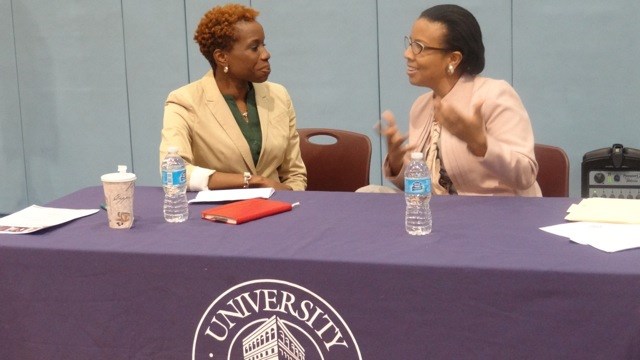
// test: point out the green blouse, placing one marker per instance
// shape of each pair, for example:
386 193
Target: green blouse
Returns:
249 125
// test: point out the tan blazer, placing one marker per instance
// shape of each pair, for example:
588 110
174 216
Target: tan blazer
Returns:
199 122
508 168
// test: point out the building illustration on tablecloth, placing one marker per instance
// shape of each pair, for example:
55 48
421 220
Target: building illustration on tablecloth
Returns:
272 341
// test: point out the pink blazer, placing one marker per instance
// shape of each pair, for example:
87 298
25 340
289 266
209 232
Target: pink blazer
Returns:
508 168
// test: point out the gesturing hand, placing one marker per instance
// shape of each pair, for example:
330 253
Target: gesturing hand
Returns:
469 128
395 141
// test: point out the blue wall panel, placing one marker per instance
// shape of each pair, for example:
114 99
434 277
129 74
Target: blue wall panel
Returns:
156 63
575 64
325 54
13 187
73 93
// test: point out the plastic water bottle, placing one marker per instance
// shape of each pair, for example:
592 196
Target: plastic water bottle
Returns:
417 193
174 182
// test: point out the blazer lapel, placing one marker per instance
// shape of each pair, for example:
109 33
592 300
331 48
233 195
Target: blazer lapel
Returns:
263 103
221 113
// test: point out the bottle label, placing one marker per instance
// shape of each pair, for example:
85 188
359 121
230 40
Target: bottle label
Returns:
177 177
417 186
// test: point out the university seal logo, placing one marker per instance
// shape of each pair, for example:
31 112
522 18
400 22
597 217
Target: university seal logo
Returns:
272 320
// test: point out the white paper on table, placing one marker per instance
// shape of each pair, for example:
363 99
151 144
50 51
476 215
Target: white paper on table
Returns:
232 195
34 218
603 236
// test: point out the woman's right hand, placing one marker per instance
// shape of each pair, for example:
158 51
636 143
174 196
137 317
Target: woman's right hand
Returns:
469 128
395 141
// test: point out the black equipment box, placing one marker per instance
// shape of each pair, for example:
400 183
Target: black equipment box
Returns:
611 172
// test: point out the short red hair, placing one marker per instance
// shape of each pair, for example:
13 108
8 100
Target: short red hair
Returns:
217 28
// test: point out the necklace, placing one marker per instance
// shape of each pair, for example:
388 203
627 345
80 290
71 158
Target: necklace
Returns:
245 116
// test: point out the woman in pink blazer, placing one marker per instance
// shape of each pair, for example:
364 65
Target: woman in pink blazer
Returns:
474 131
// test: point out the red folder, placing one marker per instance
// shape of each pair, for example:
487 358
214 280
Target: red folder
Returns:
245 210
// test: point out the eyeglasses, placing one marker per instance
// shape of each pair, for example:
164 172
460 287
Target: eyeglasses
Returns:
417 47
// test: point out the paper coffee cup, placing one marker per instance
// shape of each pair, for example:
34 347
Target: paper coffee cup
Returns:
118 197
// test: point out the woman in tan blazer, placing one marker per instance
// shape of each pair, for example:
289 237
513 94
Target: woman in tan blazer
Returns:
474 131
233 128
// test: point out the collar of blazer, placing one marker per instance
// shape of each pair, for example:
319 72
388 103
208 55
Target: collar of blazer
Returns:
222 114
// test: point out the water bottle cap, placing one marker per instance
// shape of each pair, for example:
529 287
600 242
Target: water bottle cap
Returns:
121 176
172 150
416 155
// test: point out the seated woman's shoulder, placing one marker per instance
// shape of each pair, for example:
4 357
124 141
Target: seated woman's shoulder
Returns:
275 89
487 81
490 85
186 93
274 86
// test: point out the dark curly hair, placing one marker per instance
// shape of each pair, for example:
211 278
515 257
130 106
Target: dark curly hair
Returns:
217 30
463 34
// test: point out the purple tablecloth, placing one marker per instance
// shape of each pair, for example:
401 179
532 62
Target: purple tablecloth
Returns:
337 277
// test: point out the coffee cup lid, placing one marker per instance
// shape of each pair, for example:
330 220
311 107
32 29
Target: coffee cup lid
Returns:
121 176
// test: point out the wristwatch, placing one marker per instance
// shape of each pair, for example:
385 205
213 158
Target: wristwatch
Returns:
246 177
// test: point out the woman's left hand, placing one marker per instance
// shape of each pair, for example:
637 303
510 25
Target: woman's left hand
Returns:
261 181
466 127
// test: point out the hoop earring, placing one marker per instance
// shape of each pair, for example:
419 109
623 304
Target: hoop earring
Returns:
226 69
450 69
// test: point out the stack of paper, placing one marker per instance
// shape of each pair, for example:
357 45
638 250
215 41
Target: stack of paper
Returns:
618 211
606 224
